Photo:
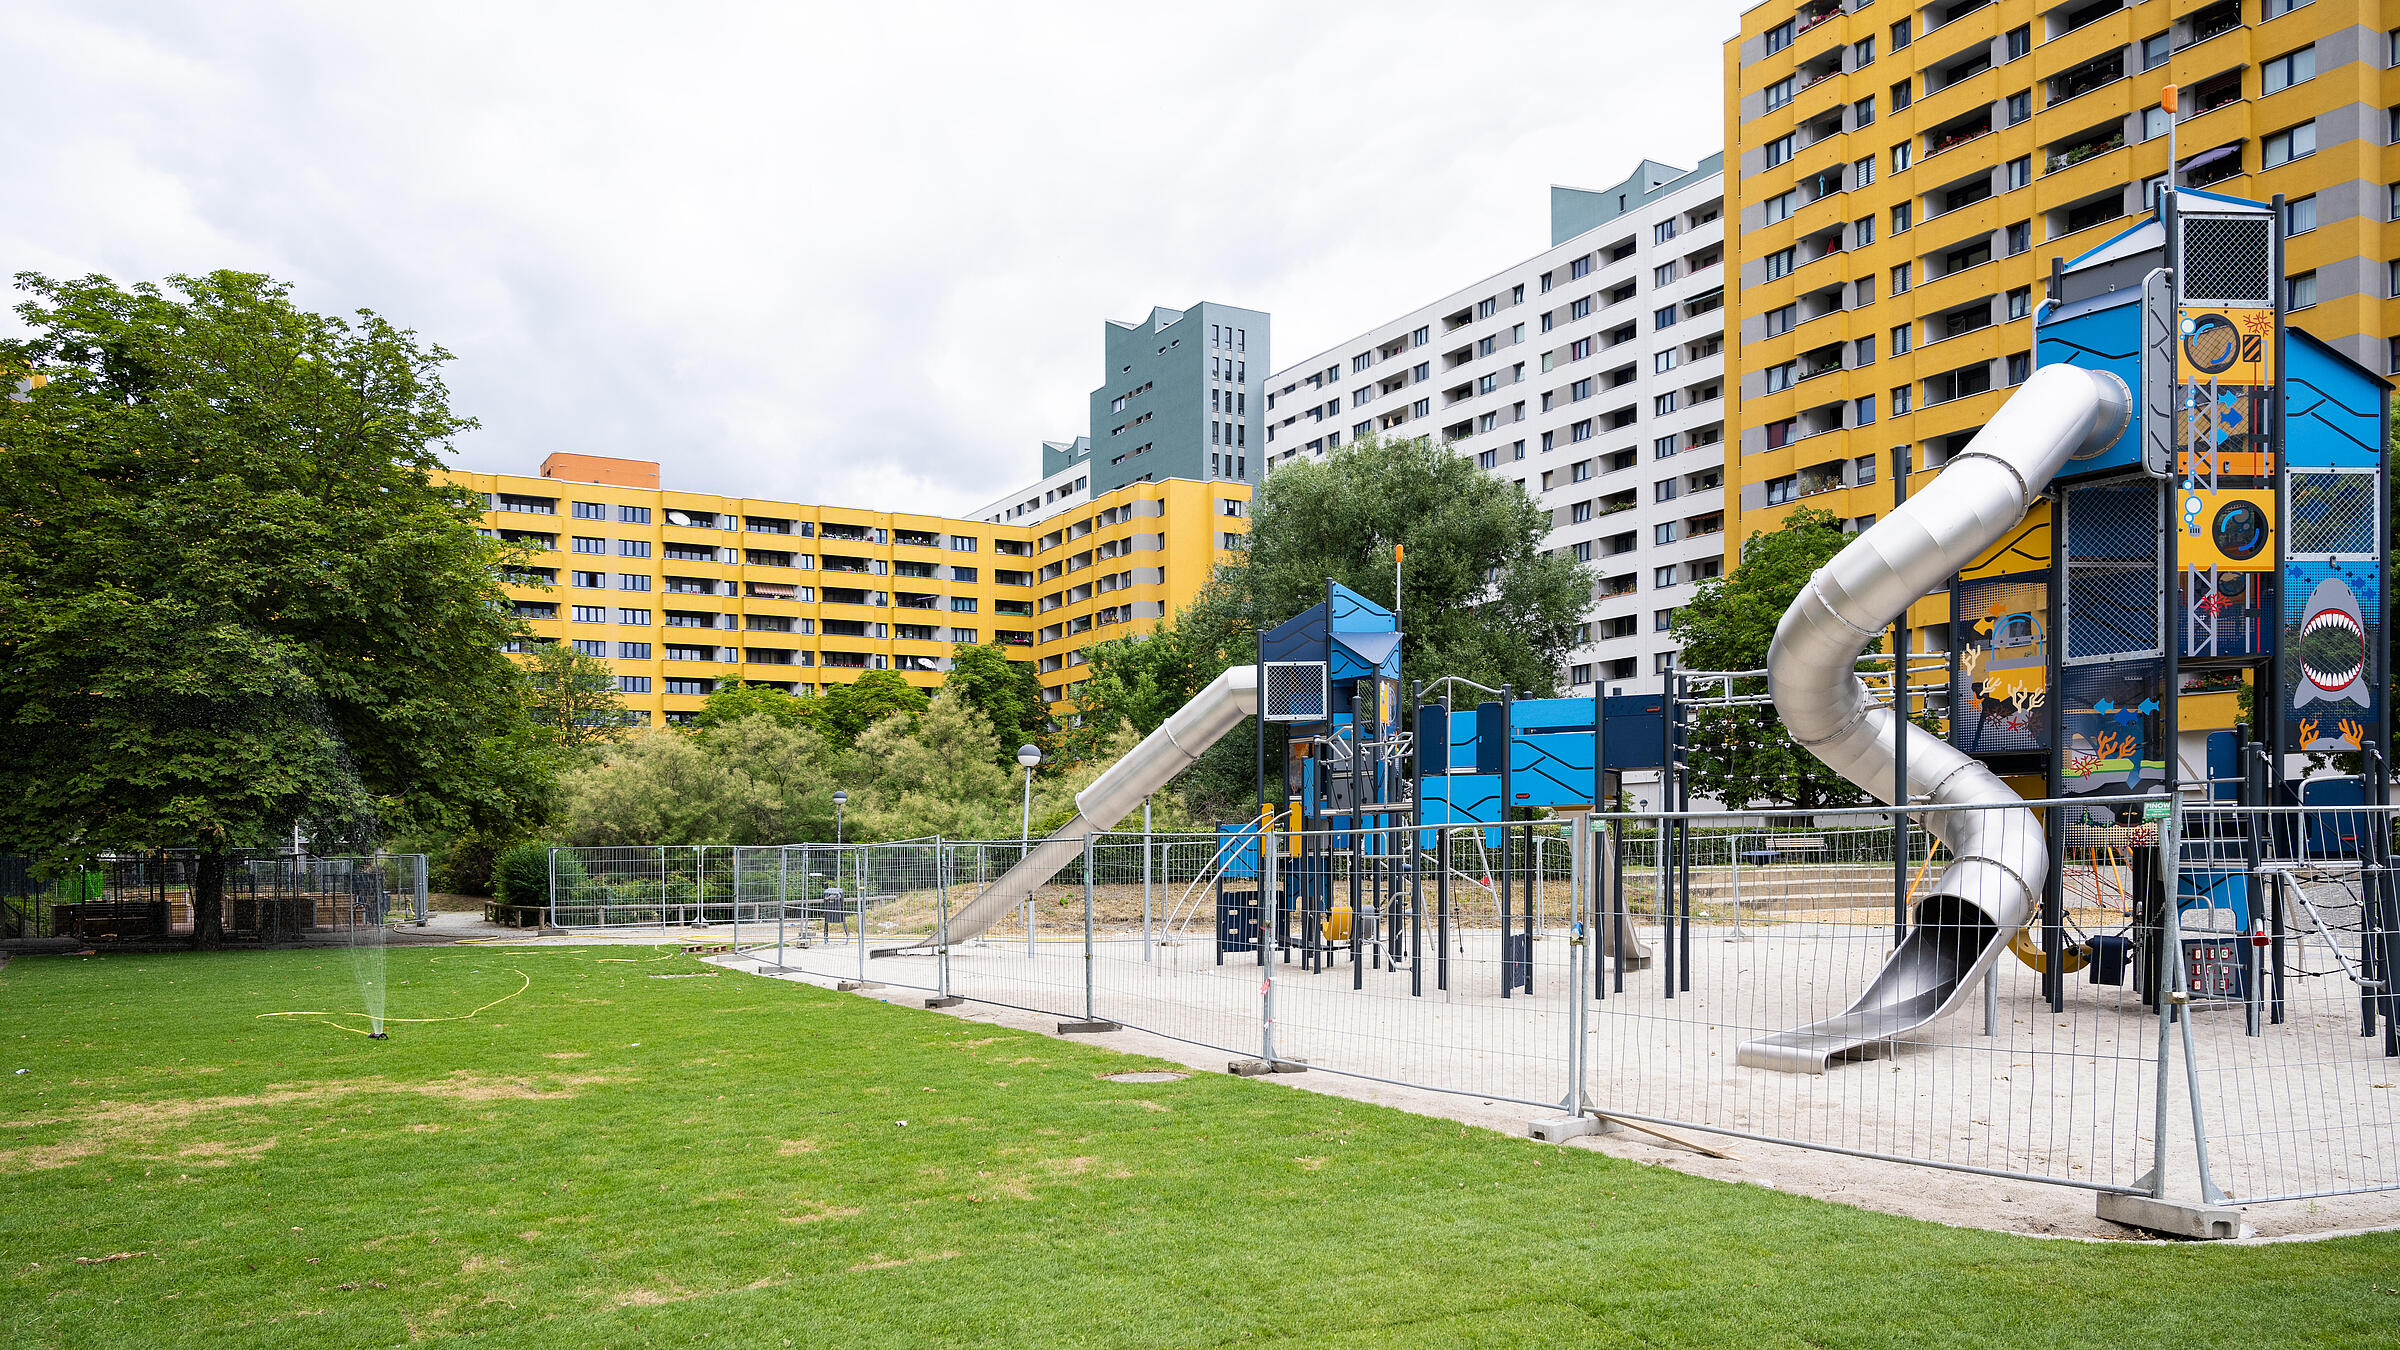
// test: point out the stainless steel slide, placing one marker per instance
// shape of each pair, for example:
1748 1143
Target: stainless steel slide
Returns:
1117 793
1999 855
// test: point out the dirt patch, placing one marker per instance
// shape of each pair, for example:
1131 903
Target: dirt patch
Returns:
569 1054
794 1147
135 1126
823 1214
896 1263
225 1155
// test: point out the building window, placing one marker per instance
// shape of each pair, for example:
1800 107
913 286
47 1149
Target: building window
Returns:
2018 238
1665 532
2018 173
2156 49
2300 215
1862 113
1664 318
1781 319
1662 448
2285 146
633 515
1583 550
1900 94
1777 207
1664 490
1863 411
1864 350
1900 336
1580 267
1661 275
1662 362
1900 156
2020 367
633 684
1900 34
1779 93
1663 577
1581 674
1903 216
1663 404
2276 9
1489 459
1900 279
1901 400
2287 70
2018 42
1779 378
1862 53
1780 36
2020 302
1779 263
1780 149
2301 291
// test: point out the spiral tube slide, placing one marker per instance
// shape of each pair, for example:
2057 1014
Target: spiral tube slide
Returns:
1145 769
1999 856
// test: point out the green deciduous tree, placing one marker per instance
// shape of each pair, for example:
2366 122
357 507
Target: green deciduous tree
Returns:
734 701
232 596
1741 756
1479 597
1007 694
931 774
845 710
572 697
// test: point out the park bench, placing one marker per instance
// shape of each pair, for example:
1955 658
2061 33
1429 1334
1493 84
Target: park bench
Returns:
102 920
512 916
1777 845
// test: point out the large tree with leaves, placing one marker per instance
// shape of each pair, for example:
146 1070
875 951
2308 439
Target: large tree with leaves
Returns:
1742 756
1479 595
233 598
1006 693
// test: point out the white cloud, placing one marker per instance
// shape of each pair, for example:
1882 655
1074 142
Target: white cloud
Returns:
832 253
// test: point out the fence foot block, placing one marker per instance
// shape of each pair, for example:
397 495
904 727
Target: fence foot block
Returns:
853 986
945 1001
1560 1129
1259 1068
2175 1218
1071 1028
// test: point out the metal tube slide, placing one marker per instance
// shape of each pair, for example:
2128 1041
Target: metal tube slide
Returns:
1145 769
1999 856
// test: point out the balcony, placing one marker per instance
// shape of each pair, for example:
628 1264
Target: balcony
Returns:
2089 147
2091 75
1951 135
1811 15
2213 93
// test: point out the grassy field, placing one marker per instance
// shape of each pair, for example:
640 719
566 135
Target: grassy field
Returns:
635 1150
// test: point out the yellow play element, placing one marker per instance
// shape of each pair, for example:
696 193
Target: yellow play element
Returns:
1336 927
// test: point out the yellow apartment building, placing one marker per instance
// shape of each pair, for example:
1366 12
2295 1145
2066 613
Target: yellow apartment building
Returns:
1901 177
682 592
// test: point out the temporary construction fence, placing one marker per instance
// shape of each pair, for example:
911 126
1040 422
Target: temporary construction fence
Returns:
269 896
2239 1046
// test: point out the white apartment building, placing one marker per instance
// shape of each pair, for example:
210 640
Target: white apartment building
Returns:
1593 374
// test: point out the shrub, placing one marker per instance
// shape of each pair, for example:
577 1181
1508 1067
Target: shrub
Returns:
522 875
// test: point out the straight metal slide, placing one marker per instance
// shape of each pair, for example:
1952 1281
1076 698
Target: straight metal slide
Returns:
1145 769
1999 856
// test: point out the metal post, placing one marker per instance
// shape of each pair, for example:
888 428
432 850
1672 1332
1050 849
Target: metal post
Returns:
1441 908
550 896
941 919
737 897
1579 876
1508 719
1146 847
1900 725
1658 846
783 873
1090 851
1269 923
1415 852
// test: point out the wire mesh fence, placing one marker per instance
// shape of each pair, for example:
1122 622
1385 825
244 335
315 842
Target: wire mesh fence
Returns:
1832 979
265 897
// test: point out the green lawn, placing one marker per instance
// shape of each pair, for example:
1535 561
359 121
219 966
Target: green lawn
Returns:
611 1159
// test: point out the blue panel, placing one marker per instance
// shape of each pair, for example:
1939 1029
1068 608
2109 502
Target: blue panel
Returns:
1552 768
2332 628
1636 737
1433 739
1464 799
1489 739
2332 409
2204 891
2224 766
1237 848
2101 339
2334 833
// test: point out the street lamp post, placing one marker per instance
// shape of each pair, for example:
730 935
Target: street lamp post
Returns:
1031 757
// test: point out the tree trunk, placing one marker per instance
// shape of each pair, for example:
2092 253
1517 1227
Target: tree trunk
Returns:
208 894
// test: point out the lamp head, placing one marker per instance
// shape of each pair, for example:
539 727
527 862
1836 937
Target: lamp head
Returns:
1029 755
840 797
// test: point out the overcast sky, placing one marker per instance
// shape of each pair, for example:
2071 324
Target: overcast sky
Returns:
857 254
